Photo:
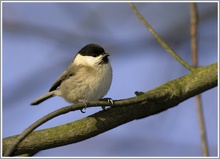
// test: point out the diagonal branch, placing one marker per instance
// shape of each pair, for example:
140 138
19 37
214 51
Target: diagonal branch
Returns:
155 101
159 39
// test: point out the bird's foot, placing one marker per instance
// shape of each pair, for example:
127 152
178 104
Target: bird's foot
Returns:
109 100
85 102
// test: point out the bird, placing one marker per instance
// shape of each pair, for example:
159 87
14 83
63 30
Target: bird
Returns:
88 77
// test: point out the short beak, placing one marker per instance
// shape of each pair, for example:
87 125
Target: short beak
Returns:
106 54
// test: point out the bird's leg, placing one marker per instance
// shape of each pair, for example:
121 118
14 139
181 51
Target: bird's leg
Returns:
109 100
85 102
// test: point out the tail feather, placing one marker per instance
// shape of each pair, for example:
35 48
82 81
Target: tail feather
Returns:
43 98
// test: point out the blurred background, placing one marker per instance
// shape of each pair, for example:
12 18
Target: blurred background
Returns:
40 40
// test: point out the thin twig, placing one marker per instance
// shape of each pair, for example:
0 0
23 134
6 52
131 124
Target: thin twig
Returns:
194 42
67 109
160 40
32 127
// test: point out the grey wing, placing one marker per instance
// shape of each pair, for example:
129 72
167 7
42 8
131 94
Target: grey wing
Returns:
65 75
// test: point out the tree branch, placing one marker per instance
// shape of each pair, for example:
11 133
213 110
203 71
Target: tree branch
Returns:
159 39
194 18
155 101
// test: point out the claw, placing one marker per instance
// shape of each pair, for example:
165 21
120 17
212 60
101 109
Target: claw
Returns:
104 108
83 110
85 102
109 100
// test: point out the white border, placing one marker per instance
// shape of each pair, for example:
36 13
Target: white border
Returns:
107 2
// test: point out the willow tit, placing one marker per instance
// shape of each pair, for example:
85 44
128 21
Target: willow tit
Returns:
88 77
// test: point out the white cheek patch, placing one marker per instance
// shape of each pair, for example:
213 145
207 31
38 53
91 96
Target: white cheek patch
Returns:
87 60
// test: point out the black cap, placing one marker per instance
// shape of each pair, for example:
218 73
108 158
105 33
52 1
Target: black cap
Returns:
92 50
